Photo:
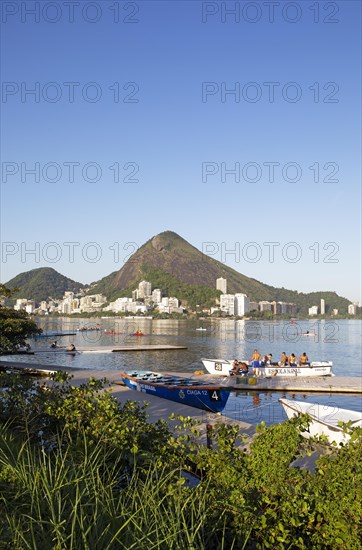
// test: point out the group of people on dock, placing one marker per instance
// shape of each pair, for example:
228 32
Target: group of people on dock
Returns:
257 361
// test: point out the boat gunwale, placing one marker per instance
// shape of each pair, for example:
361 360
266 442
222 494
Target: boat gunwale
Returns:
175 386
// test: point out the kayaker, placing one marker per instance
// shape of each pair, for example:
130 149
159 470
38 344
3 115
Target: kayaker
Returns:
70 348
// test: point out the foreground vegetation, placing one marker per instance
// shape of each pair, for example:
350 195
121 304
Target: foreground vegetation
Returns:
78 470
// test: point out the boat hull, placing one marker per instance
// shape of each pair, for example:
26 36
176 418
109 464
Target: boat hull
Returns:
324 419
316 368
187 391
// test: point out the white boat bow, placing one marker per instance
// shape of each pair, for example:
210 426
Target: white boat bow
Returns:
325 419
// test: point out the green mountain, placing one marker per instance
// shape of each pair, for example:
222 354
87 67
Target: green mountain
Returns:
42 283
179 269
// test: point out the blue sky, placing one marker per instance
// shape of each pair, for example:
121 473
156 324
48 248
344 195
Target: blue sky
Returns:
144 100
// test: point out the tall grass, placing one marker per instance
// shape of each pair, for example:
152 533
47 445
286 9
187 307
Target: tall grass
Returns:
73 498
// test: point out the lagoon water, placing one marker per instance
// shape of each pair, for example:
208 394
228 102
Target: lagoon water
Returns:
337 341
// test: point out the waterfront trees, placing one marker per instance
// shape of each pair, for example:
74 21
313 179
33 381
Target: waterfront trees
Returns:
15 326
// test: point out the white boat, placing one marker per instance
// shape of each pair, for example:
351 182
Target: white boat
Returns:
201 328
315 368
325 419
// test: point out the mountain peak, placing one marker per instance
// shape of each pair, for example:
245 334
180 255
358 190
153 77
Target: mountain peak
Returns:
166 241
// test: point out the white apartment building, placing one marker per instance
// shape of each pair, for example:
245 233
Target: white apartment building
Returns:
30 306
173 302
313 310
157 296
144 289
119 305
20 304
92 302
265 306
352 309
242 304
221 284
227 303
323 306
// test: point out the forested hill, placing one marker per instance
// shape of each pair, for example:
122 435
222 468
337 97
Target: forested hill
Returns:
42 283
179 269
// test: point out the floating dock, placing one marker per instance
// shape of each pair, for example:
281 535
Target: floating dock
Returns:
321 384
298 384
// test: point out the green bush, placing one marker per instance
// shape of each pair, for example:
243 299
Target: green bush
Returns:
78 470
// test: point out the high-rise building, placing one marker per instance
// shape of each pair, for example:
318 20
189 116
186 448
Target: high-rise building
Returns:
221 284
352 309
242 304
323 307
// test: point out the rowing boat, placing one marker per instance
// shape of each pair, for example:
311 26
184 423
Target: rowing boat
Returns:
196 393
325 419
315 368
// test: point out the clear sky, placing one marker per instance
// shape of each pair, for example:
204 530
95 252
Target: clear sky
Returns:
235 124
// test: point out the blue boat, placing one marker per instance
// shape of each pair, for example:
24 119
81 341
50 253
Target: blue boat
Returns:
196 393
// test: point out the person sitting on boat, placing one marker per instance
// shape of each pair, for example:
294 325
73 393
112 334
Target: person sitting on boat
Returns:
283 360
54 344
243 369
303 359
267 359
70 348
234 368
292 360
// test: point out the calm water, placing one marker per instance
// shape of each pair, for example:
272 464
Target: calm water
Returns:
337 341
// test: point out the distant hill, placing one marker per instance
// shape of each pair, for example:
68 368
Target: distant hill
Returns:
42 283
171 263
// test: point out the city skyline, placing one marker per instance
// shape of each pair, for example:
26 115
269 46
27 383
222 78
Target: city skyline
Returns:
234 124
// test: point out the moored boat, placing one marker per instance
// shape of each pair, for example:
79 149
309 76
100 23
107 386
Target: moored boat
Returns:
325 419
314 368
196 393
